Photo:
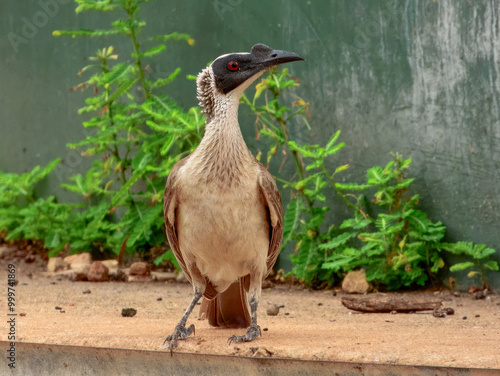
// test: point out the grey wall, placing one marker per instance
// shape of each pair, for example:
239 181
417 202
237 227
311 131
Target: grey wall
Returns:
418 77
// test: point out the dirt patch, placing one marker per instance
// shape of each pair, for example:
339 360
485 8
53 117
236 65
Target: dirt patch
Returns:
310 325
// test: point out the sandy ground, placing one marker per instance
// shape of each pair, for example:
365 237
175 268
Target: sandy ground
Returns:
312 324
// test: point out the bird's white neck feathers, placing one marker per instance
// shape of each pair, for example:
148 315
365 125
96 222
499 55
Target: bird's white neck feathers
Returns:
222 154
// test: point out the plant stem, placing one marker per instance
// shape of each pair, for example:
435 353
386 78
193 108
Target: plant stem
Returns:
481 272
332 184
138 62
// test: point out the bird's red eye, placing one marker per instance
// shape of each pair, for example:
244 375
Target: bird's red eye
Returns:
233 65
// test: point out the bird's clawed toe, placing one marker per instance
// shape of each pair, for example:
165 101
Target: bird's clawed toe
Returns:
252 333
180 332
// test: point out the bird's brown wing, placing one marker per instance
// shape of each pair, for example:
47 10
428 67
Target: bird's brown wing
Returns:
170 202
170 205
272 200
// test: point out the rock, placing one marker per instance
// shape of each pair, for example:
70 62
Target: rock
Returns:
128 312
98 272
139 268
267 284
437 312
355 283
259 352
55 264
72 275
139 278
80 264
163 276
87 291
481 294
79 258
116 274
81 268
110 264
273 310
181 278
474 288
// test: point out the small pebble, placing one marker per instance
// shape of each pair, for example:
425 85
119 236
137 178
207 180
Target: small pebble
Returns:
273 310
287 313
464 318
53 283
265 329
160 299
320 304
86 291
62 311
22 314
439 312
59 308
477 316
128 312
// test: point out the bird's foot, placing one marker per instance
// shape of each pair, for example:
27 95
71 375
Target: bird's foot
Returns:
252 333
180 332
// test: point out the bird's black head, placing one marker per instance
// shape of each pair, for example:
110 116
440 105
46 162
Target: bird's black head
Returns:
232 70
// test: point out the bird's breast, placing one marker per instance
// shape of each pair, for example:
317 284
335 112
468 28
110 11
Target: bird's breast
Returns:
225 230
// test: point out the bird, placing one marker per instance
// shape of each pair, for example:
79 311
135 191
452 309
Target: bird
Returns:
223 212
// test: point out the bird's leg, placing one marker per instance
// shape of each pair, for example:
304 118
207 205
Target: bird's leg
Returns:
181 332
253 330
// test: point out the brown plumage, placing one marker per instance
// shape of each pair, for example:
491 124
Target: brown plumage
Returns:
223 212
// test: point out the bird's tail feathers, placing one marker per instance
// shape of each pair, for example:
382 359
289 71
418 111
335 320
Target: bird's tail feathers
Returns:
229 309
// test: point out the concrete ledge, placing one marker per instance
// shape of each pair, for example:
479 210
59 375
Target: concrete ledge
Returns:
58 360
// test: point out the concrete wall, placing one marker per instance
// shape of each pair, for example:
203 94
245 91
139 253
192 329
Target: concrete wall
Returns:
418 77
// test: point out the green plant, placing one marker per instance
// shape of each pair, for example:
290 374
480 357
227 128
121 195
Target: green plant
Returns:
480 253
139 133
22 214
399 243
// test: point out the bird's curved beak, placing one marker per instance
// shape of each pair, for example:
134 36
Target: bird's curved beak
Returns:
277 57
264 57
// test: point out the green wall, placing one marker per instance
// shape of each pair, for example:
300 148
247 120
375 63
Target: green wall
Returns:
417 77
